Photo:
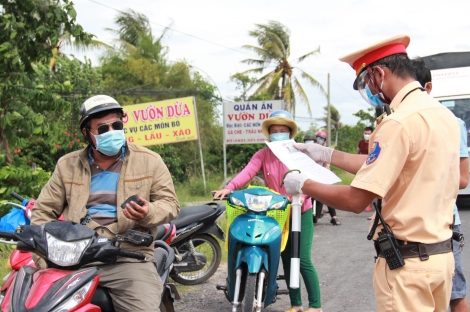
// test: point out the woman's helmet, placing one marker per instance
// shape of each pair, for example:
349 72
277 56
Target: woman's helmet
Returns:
309 135
97 104
321 134
280 117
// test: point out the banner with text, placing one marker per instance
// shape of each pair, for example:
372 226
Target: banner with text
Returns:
242 120
161 122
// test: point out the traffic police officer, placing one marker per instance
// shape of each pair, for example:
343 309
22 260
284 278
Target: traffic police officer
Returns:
416 178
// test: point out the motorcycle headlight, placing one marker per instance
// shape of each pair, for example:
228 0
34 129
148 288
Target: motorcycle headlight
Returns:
75 299
65 253
258 203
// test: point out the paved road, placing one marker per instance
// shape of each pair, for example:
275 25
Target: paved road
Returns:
344 260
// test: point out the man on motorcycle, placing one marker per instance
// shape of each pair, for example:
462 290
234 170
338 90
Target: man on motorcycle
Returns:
88 186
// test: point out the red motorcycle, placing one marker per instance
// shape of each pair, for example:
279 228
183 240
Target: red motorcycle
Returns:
14 297
65 285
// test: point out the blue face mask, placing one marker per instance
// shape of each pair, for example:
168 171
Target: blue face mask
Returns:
279 136
111 142
373 99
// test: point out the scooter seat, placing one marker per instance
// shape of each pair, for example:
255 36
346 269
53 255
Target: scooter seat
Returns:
161 231
102 299
160 255
192 214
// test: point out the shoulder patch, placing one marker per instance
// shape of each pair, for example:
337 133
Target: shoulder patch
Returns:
374 153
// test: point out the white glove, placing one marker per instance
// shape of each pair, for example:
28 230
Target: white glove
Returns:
294 181
318 153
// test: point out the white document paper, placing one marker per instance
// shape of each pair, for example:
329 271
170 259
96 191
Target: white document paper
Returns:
295 159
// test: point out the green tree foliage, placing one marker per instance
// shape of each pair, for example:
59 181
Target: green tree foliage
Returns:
27 28
244 82
274 51
349 137
22 180
238 156
59 129
366 117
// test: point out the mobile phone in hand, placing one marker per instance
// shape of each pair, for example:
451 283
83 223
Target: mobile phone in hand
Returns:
133 198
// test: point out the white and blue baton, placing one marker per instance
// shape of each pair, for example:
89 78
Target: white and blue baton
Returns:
295 240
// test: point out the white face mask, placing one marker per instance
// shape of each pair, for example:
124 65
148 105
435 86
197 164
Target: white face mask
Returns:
366 137
309 141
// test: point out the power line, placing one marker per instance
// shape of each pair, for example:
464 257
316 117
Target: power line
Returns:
186 34
346 91
320 73
131 92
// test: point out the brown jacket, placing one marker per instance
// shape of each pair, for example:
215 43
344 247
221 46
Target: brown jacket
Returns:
143 173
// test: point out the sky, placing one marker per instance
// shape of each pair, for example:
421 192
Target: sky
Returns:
209 35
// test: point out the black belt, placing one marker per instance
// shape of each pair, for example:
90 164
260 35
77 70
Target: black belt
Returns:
418 250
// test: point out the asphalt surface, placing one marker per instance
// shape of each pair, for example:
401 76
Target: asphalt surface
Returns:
344 260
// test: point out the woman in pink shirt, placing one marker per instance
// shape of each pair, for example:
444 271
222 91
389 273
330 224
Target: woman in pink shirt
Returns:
281 126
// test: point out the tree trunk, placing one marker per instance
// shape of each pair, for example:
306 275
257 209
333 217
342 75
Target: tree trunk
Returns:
336 139
5 147
283 85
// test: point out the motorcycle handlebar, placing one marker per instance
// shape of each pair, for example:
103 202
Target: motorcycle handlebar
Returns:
226 197
15 195
132 254
7 235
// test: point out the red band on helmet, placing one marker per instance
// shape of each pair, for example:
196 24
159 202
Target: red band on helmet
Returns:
377 54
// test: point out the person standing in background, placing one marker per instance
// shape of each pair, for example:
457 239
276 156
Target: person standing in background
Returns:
320 138
458 301
363 146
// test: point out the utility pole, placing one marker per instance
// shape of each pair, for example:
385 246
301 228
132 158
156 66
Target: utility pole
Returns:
328 116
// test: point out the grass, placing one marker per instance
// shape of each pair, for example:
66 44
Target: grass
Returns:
5 251
192 191
346 177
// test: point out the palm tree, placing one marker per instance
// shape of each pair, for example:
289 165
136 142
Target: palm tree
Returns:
335 120
134 32
274 51
65 40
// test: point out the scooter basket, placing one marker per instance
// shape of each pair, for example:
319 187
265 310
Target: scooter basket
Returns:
280 215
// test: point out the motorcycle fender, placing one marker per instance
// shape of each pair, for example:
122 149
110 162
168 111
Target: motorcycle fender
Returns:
9 278
216 231
89 308
254 257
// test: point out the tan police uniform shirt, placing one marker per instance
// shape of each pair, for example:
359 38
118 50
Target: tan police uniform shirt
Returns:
413 164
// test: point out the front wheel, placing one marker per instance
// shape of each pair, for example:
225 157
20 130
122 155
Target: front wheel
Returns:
248 303
207 245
